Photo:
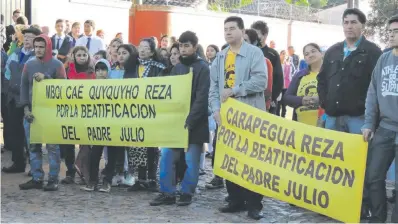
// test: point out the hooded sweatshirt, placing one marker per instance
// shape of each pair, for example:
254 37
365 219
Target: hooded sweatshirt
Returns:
51 68
106 62
382 98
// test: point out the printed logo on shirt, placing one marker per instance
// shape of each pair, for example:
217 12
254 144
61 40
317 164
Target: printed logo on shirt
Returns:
308 89
389 84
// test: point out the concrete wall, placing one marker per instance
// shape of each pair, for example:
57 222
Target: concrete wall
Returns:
112 18
210 29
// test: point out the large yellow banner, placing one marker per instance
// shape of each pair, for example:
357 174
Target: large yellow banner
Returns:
314 168
147 112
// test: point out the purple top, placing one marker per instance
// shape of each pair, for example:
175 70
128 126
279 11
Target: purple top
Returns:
291 98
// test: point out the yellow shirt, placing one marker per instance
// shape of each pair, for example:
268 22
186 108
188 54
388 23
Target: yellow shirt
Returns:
230 70
141 70
308 87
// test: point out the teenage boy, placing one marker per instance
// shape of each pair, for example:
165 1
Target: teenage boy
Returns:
61 42
92 42
43 66
196 123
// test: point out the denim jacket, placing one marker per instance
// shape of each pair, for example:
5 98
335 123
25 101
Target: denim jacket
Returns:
250 77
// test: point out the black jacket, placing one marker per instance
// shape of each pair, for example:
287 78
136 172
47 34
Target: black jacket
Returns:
343 84
197 120
277 76
9 32
65 47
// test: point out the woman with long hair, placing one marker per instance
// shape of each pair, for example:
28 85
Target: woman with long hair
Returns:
211 53
164 42
146 159
302 93
80 67
112 50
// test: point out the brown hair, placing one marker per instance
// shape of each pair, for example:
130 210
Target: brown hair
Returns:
89 66
75 24
59 21
22 20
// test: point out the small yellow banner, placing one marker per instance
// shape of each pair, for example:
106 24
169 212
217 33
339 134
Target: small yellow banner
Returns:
317 169
148 112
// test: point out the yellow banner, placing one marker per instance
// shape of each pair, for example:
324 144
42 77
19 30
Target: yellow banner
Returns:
147 112
314 168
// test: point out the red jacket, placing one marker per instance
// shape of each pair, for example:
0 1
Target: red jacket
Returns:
73 74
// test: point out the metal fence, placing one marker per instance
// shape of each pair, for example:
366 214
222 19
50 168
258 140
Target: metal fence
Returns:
8 6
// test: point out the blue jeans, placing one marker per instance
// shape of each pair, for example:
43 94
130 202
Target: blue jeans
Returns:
345 123
167 169
36 158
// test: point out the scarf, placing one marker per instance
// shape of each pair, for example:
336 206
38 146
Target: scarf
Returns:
148 64
189 60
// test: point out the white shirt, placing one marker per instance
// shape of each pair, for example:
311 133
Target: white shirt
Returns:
96 44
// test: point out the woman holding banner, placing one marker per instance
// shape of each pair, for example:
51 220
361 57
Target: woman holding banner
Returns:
302 93
80 67
146 159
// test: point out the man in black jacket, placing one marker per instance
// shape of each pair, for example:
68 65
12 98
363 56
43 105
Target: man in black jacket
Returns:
277 77
61 43
345 77
196 123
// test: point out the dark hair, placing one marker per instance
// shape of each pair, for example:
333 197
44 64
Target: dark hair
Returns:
314 45
102 53
75 24
262 26
200 52
101 66
1 18
22 20
153 49
162 37
224 46
253 37
16 11
214 47
155 40
88 66
236 19
393 19
91 23
59 21
354 11
131 64
189 36
175 45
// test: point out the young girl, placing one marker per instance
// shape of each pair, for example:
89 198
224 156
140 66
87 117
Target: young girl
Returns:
102 70
211 53
113 46
80 67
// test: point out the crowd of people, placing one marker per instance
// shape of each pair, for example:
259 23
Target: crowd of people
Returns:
350 87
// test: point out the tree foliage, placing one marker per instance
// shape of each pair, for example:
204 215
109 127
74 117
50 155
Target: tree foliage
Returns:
311 3
381 11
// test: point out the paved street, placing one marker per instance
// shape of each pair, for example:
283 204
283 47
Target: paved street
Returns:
70 204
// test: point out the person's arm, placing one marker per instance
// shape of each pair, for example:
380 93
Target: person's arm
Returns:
200 105
257 77
291 98
372 104
277 85
322 81
12 48
24 89
60 74
7 73
214 92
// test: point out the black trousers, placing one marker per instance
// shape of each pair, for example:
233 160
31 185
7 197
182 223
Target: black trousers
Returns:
17 133
152 163
69 154
239 195
95 155
181 166
382 150
281 106
4 115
